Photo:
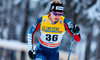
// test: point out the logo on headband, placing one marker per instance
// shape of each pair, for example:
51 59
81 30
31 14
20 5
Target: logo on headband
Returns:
59 8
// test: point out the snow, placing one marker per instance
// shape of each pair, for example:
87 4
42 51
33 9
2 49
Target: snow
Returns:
83 32
93 46
80 51
42 3
16 45
33 4
93 14
76 1
96 30
12 44
18 30
78 8
16 2
5 32
64 55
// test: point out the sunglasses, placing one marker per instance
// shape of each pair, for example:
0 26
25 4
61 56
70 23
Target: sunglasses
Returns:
54 13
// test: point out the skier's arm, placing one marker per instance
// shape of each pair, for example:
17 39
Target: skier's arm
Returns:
69 28
32 31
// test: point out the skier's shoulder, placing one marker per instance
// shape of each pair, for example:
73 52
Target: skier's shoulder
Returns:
39 19
44 16
66 20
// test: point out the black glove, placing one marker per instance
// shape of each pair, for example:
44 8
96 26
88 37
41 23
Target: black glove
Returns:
31 54
76 29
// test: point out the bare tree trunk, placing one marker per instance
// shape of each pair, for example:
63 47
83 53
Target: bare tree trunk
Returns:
75 19
2 18
93 2
98 48
25 18
3 25
11 28
88 44
9 17
1 54
98 45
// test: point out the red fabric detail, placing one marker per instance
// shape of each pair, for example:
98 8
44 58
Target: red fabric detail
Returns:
49 44
38 26
66 26
77 37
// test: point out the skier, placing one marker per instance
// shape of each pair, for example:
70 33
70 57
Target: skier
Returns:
52 28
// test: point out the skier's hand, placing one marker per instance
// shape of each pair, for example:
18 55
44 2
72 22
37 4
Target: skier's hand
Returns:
76 29
31 54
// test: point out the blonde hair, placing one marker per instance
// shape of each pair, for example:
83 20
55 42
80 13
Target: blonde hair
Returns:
56 1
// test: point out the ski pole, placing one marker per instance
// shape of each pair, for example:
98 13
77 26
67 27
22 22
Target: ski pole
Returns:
71 47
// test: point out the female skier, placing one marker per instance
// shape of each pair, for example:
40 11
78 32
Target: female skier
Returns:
52 28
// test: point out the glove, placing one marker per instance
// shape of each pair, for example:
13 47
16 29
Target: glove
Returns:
76 29
31 54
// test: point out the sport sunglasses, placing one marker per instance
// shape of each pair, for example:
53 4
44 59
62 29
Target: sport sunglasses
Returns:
54 13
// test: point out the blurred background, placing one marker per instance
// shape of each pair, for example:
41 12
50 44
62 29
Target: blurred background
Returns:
17 17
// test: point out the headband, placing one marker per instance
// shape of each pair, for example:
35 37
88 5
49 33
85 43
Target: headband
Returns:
56 7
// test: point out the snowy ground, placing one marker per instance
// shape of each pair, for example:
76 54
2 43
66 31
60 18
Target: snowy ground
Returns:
15 45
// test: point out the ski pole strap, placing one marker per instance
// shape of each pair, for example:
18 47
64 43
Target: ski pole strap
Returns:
71 47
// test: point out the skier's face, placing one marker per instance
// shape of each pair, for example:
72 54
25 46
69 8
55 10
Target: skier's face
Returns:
56 15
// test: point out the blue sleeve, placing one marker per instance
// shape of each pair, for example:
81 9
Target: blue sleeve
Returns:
69 27
68 23
32 31
35 25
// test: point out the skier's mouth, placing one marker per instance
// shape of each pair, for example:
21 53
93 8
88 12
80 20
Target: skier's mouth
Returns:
56 18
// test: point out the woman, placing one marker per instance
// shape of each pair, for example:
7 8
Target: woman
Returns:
52 28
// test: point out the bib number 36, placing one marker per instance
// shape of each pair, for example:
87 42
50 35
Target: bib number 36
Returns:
53 37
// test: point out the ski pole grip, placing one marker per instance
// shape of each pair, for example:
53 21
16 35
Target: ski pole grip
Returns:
76 29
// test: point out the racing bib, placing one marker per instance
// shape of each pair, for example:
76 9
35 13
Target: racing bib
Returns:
51 34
